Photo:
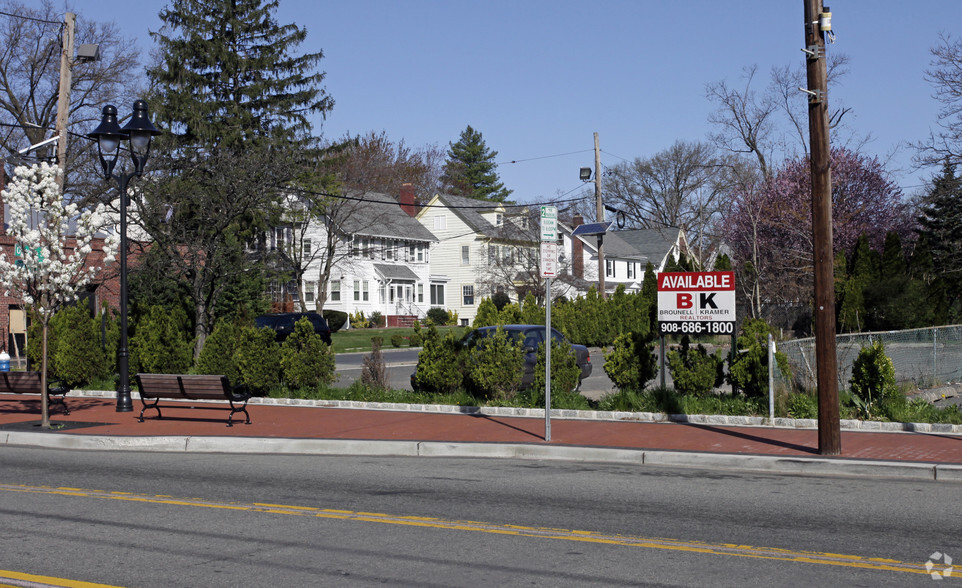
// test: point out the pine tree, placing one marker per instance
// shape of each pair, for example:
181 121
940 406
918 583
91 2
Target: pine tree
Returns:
940 221
470 169
228 76
237 103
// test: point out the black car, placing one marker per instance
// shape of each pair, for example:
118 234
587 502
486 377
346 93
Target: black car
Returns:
283 324
531 337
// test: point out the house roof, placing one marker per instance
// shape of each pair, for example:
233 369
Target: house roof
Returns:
395 272
380 215
655 244
615 245
471 210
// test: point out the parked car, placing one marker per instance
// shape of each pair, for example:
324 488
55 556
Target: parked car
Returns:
283 324
531 336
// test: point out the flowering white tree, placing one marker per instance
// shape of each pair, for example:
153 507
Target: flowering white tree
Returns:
53 243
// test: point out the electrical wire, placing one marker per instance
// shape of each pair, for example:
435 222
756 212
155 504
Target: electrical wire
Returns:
543 157
53 22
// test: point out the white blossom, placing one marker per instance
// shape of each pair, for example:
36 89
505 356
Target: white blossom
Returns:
47 273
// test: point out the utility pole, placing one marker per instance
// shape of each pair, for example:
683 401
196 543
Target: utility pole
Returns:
600 213
63 99
817 22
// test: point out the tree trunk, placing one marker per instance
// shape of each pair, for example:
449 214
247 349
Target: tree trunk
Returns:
44 396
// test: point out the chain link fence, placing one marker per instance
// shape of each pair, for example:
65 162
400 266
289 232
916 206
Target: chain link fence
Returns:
923 358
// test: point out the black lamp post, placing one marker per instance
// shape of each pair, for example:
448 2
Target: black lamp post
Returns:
139 130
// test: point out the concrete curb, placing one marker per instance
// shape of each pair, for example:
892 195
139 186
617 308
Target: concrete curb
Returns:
597 415
638 457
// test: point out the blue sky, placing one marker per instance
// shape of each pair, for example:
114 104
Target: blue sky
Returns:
539 77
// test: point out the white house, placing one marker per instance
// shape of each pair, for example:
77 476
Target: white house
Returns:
378 254
483 248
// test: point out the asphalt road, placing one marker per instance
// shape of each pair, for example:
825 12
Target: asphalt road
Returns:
154 519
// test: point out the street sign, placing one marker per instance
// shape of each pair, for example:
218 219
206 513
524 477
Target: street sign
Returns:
549 223
696 303
549 260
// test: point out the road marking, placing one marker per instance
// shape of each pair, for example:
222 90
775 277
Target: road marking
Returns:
727 549
10 579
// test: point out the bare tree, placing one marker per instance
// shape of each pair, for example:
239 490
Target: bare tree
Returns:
375 163
685 186
747 121
946 75
744 119
30 46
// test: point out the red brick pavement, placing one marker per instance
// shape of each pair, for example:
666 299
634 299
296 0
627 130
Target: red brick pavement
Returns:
272 421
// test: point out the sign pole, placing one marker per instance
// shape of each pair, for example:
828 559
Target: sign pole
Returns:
549 267
547 361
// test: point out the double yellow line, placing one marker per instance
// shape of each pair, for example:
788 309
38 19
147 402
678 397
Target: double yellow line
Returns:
726 549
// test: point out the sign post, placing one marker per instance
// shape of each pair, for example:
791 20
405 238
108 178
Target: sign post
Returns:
549 269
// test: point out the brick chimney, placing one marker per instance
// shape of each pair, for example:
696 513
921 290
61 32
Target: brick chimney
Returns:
577 250
407 199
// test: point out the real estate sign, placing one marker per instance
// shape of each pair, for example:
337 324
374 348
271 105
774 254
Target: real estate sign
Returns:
696 303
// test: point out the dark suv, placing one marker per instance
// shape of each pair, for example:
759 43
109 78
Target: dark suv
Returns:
283 324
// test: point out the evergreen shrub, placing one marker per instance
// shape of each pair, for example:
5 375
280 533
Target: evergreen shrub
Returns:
438 316
306 360
749 370
631 362
695 371
496 366
256 359
440 367
162 342
565 373
217 356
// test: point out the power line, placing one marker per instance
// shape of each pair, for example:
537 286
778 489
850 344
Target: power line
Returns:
490 206
53 22
542 157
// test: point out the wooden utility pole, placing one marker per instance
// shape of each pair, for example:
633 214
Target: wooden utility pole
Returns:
63 98
829 429
600 213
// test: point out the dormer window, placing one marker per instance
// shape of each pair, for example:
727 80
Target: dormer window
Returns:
500 219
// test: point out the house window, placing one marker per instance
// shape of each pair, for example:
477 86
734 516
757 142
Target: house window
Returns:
507 255
420 252
440 222
411 250
389 250
609 268
421 293
381 294
465 255
364 293
335 290
631 270
309 292
467 293
500 219
437 294
306 247
366 245
492 254
357 291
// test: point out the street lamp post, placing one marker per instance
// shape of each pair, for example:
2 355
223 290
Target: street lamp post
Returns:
139 130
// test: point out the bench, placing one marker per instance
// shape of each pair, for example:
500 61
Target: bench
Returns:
192 387
29 383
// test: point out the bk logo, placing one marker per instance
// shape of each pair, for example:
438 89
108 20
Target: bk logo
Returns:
705 300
